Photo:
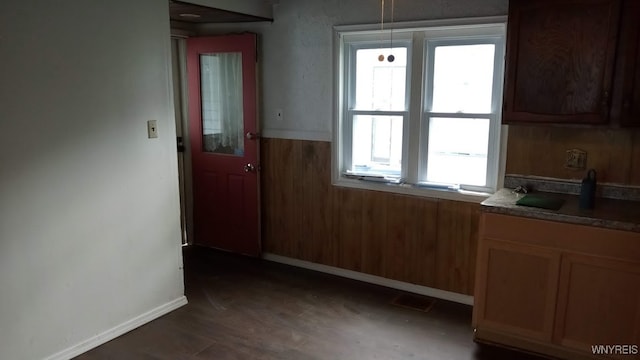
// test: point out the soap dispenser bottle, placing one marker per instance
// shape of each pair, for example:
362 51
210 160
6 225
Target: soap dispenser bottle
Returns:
588 190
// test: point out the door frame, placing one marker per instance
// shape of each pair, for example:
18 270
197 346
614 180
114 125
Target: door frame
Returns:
185 173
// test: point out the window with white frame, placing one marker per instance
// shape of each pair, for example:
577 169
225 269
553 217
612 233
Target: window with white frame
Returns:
431 116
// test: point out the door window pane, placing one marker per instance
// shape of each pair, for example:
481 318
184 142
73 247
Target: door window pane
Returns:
463 78
381 85
377 144
222 111
458 151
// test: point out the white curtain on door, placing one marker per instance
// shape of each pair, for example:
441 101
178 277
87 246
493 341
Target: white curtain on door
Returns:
222 112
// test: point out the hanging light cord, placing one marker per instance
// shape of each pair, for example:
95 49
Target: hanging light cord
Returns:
381 56
391 58
382 15
393 6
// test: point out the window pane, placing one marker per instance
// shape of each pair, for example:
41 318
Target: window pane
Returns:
222 111
377 144
458 151
381 85
463 78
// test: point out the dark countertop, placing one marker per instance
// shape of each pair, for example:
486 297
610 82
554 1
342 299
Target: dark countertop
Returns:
608 213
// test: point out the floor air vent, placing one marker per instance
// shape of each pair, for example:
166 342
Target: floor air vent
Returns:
414 302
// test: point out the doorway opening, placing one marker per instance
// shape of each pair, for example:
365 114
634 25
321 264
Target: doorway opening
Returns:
180 101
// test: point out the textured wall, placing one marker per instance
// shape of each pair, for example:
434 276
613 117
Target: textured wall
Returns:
297 54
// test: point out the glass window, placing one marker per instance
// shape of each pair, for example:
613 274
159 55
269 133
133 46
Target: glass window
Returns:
222 110
458 151
440 126
463 78
376 110
377 144
380 85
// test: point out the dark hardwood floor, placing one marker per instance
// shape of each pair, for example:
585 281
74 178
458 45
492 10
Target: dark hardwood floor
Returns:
242 308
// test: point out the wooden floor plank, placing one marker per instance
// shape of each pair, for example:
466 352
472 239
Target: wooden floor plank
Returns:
244 308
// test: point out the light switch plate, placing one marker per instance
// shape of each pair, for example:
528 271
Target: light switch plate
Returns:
152 129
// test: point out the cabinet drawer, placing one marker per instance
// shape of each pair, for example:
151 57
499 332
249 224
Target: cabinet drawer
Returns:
617 244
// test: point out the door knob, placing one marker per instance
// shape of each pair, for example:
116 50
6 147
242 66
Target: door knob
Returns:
249 168
252 136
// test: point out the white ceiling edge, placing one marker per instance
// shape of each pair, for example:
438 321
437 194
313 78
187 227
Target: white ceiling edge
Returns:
260 8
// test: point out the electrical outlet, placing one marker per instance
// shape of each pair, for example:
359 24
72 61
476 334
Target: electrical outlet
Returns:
279 115
152 129
576 159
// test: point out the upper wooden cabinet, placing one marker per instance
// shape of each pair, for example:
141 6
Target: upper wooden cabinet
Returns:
625 108
560 61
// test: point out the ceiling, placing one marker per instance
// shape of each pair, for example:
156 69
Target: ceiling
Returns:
197 14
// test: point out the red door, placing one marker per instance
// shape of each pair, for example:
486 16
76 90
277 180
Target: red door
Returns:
224 146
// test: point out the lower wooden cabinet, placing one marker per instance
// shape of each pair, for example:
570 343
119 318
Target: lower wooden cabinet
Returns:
531 280
598 302
557 289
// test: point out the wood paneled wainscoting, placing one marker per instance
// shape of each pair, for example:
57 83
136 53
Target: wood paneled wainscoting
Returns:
423 241
541 151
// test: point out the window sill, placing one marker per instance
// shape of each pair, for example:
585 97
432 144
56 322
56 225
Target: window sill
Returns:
408 189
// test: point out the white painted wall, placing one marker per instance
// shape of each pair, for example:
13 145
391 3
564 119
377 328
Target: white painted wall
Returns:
296 53
89 209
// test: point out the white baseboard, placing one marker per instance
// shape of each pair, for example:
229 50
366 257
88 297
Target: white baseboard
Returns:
121 329
377 280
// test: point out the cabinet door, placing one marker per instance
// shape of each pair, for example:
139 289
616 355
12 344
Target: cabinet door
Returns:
598 303
626 94
517 287
560 59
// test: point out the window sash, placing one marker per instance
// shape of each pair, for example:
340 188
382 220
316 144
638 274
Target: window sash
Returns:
353 43
347 138
498 61
491 175
493 150
351 49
